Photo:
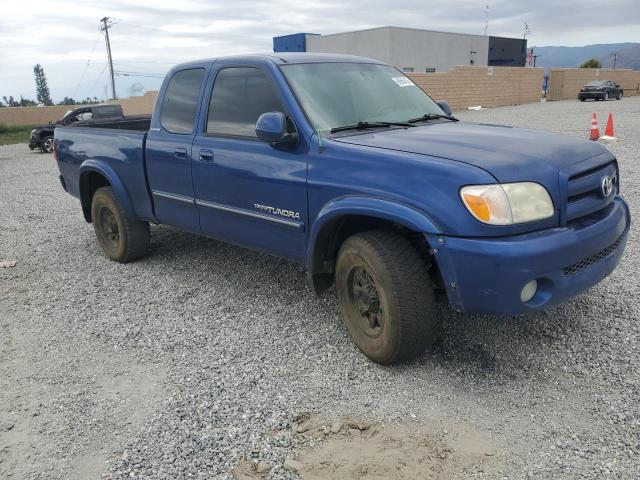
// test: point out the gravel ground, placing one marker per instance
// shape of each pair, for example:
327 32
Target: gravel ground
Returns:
204 354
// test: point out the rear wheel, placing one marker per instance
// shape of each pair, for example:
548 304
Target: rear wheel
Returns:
122 239
386 296
47 144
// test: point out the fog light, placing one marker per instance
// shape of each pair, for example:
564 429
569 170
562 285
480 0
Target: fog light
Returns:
528 291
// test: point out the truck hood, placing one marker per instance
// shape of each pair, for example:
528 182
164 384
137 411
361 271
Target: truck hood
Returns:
509 154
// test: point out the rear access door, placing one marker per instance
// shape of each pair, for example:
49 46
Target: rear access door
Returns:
169 151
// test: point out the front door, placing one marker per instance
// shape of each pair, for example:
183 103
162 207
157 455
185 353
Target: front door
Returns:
168 151
247 191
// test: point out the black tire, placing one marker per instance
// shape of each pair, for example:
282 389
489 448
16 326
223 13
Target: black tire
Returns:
581 99
46 144
619 97
122 239
386 296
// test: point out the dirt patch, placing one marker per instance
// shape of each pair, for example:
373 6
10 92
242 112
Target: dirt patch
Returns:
357 450
247 470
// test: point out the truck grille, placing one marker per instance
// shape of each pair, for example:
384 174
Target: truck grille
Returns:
584 191
593 259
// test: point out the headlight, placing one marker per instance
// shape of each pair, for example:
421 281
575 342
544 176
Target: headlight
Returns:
33 131
507 203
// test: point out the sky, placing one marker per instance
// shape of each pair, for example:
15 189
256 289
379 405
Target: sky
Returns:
149 36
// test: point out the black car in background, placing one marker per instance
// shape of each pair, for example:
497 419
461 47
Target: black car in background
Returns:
601 90
42 137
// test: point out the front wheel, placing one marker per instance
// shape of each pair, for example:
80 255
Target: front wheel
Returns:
122 238
47 144
386 296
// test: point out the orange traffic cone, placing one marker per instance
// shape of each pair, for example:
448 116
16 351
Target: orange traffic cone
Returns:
608 131
595 133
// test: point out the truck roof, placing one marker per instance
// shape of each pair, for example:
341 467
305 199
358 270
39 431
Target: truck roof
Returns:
283 58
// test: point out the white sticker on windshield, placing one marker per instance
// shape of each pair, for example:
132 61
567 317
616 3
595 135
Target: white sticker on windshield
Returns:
403 81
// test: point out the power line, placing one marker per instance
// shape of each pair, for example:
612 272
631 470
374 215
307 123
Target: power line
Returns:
123 73
138 25
86 67
97 78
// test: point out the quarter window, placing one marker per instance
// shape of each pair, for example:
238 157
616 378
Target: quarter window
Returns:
181 100
240 95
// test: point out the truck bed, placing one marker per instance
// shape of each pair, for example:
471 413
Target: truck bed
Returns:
111 149
130 122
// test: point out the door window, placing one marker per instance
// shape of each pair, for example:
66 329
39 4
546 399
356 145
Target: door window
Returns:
78 117
181 101
240 95
107 111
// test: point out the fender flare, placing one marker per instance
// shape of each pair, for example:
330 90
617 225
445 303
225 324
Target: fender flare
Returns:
112 177
396 212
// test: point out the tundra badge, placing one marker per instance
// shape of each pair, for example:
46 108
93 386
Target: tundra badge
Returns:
277 211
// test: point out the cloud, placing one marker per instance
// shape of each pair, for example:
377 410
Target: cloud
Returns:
151 35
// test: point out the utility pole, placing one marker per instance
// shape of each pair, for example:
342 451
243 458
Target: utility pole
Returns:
105 28
615 57
526 31
486 20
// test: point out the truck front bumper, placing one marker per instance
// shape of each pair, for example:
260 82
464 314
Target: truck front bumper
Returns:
487 275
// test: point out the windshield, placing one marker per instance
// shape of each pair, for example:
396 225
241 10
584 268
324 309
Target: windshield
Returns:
595 84
337 94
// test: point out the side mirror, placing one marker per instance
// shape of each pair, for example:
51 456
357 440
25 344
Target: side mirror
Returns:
445 107
271 127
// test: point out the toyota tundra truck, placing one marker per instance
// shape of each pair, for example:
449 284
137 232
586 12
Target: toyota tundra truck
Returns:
344 165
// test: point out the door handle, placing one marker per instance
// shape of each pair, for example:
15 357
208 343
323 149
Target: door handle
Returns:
180 152
206 156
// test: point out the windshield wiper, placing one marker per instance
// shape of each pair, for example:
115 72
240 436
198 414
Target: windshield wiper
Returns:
432 116
365 125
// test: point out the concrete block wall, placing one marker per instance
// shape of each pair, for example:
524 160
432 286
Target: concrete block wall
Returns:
565 83
41 115
466 86
462 87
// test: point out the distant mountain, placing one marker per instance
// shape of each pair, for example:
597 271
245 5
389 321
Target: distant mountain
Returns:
628 55
626 58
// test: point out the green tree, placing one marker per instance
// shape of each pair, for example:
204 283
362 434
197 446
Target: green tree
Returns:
67 101
42 88
592 63
25 102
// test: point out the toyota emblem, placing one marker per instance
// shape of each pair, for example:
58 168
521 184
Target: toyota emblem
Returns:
607 186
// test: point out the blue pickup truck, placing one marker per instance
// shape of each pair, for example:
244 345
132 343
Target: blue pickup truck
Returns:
344 165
